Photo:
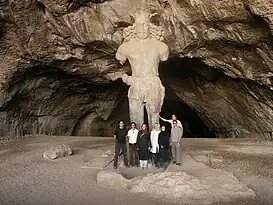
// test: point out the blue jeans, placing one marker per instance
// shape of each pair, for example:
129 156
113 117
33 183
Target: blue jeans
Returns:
143 164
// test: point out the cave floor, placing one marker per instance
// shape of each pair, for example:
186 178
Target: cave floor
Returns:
26 178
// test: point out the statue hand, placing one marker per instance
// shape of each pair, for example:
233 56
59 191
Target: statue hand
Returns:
125 78
114 76
122 62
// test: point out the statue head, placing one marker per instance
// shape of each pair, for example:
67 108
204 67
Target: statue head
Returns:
143 28
142 24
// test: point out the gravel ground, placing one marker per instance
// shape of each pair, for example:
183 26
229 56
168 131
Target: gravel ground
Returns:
26 178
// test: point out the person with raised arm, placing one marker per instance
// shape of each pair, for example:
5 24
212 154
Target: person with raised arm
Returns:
179 124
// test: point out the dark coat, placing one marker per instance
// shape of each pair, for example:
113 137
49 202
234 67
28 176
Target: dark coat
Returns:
164 139
143 143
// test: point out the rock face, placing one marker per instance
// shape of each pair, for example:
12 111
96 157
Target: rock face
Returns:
177 186
57 152
53 63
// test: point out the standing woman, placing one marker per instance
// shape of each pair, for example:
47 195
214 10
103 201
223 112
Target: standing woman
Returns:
164 144
155 146
143 142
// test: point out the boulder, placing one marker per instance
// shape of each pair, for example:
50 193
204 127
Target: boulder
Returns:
58 151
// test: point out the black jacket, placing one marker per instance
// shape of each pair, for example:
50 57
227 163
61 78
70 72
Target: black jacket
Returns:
164 139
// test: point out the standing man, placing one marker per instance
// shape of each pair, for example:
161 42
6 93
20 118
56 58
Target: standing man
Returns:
176 134
179 124
132 135
120 137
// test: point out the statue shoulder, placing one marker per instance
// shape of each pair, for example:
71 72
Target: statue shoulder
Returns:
163 50
125 46
160 45
163 45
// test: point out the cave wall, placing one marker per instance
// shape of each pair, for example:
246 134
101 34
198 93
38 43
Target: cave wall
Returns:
55 54
229 107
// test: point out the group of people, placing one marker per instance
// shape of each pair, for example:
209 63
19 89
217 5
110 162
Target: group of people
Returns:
144 145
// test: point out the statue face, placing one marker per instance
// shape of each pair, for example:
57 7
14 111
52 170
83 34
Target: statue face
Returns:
142 29
142 25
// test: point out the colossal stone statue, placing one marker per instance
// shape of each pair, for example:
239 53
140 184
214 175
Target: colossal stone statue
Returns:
144 49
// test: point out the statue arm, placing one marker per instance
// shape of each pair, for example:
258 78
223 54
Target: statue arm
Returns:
114 76
120 55
127 79
164 55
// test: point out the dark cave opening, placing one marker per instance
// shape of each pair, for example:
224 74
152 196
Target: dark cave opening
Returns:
63 104
193 125
180 69
186 74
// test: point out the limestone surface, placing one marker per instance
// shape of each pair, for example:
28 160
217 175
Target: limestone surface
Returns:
194 184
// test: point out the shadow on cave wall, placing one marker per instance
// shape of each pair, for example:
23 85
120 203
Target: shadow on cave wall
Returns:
93 125
46 100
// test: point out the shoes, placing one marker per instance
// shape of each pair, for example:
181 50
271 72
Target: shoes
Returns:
174 162
178 164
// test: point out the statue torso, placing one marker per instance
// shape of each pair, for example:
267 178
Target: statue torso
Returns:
144 56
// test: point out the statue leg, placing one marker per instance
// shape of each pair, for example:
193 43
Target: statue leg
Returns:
153 114
154 106
136 108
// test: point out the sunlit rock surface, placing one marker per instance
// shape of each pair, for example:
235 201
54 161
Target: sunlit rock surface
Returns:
192 183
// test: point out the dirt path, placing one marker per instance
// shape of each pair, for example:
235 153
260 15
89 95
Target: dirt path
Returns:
26 178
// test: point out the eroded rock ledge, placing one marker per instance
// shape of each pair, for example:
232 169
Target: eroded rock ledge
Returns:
193 183
54 55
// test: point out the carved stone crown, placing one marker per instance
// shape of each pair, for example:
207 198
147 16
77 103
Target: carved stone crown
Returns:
144 6
142 15
142 12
